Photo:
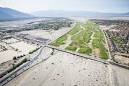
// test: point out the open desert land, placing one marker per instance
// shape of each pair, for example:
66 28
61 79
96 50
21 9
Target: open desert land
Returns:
10 40
120 76
14 48
63 69
47 34
17 47
24 47
8 55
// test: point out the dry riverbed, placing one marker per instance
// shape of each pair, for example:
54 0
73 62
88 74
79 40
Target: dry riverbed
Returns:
64 69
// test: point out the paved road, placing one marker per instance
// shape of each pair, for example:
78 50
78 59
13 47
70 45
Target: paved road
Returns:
48 71
64 69
36 58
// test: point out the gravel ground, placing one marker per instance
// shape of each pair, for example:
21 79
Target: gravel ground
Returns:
64 69
51 35
121 76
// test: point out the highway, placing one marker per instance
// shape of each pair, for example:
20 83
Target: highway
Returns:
35 60
67 68
64 69
39 57
35 56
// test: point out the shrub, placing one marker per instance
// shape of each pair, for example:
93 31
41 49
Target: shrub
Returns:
71 48
85 50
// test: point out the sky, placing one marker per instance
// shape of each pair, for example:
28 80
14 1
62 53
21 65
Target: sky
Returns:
28 6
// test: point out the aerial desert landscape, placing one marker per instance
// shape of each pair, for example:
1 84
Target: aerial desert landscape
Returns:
64 43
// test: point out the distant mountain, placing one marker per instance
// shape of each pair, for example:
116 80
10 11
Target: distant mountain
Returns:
76 13
127 13
11 14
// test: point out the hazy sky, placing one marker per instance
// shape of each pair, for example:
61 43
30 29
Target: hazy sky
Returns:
76 5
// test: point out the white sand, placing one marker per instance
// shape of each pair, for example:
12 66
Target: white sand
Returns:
23 47
37 33
52 35
64 69
121 76
7 55
11 40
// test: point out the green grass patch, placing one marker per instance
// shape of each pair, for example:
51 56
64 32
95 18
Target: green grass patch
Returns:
59 41
98 42
75 29
71 48
81 40
103 53
85 50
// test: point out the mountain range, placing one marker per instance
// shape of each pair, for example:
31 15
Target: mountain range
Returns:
11 14
55 13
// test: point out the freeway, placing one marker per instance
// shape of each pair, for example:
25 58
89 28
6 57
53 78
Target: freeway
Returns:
32 62
39 56
65 69
69 56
